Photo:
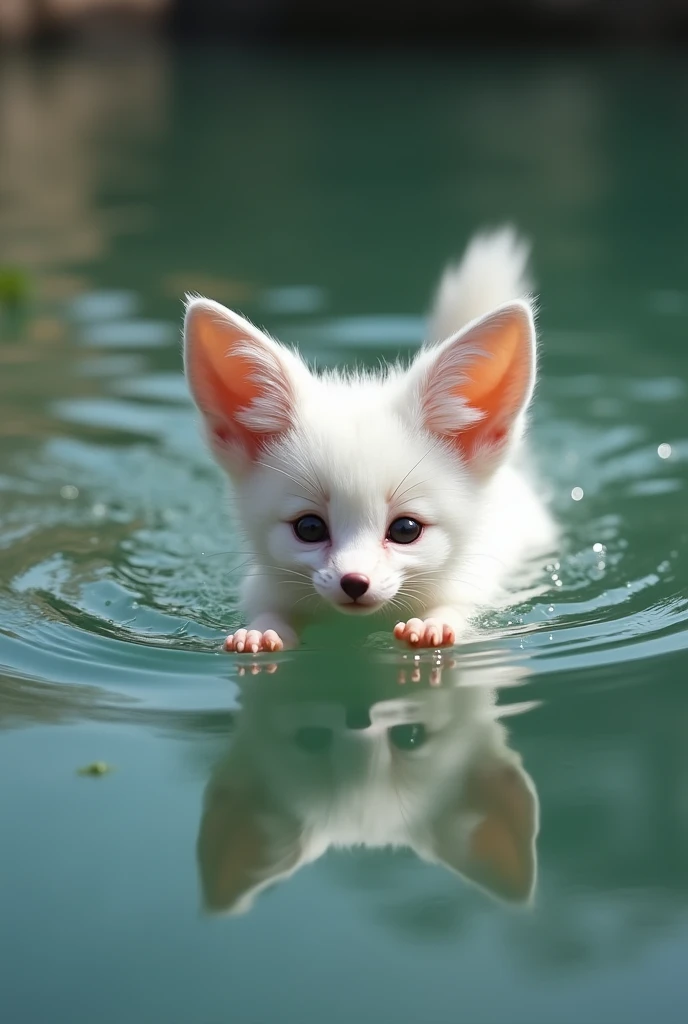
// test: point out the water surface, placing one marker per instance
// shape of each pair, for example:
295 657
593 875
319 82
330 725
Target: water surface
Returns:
321 196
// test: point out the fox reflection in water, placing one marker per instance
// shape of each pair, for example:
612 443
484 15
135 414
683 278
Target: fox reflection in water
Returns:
356 759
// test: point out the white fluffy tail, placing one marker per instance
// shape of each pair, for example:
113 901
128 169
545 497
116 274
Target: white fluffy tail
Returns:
493 270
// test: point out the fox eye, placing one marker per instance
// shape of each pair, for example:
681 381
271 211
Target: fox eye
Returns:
404 530
407 737
311 529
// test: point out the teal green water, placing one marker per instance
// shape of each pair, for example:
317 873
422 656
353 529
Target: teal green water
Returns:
321 196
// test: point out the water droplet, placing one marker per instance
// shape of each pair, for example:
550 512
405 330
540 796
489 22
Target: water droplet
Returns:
551 637
601 565
558 583
664 566
69 492
577 493
598 548
555 577
550 609
557 566
664 450
99 510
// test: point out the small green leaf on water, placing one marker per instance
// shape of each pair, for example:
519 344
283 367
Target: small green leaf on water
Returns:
14 287
96 768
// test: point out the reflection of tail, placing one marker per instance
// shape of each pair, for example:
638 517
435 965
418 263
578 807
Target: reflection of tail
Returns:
493 270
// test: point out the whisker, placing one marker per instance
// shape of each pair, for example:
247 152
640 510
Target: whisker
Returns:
470 584
430 577
401 496
407 607
293 572
308 472
305 597
402 603
294 480
306 581
237 567
414 595
411 470
301 583
311 474
217 554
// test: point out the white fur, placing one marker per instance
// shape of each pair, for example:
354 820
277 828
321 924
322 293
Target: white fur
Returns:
361 449
360 789
492 271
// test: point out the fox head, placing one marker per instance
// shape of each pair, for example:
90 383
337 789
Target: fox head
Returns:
362 490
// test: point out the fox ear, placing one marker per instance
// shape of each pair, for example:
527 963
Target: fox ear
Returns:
473 388
488 832
242 849
243 382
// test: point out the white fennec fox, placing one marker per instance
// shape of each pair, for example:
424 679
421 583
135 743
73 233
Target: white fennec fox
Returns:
397 492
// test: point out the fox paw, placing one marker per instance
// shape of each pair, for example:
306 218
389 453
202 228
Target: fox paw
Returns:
424 673
425 633
252 641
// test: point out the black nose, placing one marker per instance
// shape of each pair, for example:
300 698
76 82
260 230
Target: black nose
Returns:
354 585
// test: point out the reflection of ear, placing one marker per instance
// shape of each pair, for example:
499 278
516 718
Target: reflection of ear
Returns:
242 849
488 835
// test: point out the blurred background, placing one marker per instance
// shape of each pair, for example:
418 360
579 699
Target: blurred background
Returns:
30 19
314 165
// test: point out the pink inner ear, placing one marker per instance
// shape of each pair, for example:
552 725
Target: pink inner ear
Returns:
226 382
223 378
497 384
504 373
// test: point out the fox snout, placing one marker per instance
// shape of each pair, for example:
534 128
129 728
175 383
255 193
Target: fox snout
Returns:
353 592
354 585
